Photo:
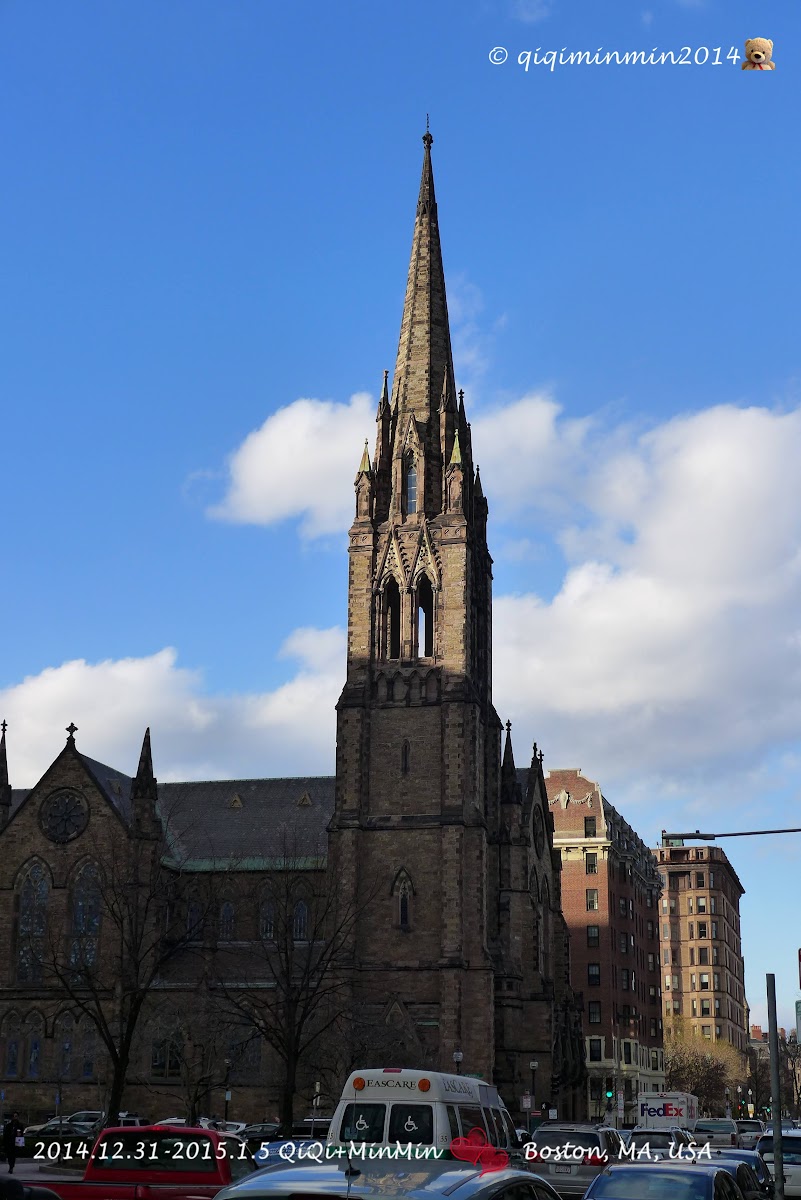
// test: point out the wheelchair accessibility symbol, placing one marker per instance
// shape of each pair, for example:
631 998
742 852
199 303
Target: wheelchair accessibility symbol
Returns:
361 1123
410 1125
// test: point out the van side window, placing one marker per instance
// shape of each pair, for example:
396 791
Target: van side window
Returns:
453 1121
363 1123
471 1118
412 1123
492 1128
511 1133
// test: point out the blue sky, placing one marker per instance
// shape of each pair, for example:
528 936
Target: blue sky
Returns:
208 212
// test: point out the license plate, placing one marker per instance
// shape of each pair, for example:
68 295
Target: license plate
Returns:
562 1169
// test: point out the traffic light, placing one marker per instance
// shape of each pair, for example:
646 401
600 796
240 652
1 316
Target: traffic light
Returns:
609 1094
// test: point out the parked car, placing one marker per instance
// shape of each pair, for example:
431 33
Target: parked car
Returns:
741 1172
86 1116
791 1158
380 1180
232 1126
663 1181
583 1151
755 1161
749 1133
715 1131
57 1130
267 1131
656 1144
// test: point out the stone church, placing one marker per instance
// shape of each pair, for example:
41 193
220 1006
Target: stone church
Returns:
438 845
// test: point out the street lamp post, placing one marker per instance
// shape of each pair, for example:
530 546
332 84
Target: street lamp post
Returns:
532 1066
227 1092
457 1058
739 1100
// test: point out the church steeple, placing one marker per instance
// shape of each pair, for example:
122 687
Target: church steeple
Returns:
423 386
144 795
5 786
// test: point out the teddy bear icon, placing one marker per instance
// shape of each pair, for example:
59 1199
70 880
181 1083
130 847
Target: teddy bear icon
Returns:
758 54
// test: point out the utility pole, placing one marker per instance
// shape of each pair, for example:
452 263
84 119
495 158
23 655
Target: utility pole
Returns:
776 1113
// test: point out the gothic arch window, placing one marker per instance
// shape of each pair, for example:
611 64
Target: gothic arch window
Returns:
403 893
300 921
267 921
88 1047
194 920
86 905
392 607
34 1034
34 892
409 484
425 618
13 1040
227 922
405 753
546 931
63 1038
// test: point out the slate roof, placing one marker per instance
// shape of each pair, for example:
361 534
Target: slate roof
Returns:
249 823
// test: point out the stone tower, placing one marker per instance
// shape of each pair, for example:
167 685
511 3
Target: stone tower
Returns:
418 740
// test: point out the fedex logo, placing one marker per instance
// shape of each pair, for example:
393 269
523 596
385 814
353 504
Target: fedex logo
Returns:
666 1110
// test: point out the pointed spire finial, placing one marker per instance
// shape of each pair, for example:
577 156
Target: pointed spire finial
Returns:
364 465
479 489
383 403
144 787
72 729
508 726
456 453
5 787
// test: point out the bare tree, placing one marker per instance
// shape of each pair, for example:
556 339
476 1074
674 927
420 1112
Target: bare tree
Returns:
125 921
196 1046
294 982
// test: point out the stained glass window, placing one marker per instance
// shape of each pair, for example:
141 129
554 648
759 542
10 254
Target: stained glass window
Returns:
33 899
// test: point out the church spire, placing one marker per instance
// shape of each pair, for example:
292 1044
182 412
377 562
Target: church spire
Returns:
144 787
5 786
510 792
425 358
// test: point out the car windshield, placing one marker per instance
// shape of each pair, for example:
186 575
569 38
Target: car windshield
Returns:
655 1139
645 1183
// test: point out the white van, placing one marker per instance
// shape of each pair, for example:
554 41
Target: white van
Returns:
390 1105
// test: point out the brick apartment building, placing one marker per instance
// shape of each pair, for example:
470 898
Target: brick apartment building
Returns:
701 952
610 899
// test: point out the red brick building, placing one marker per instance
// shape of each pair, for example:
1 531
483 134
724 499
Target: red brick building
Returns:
610 899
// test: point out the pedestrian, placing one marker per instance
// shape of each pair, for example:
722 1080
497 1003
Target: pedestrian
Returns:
12 1139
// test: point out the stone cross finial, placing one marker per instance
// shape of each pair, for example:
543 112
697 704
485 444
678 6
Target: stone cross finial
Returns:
4 725
508 726
72 729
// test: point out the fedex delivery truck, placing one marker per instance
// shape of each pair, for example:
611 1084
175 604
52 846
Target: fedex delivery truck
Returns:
667 1110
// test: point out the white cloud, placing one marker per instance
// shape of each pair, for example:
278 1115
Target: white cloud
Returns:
300 463
288 731
673 643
